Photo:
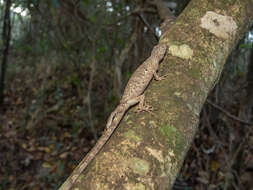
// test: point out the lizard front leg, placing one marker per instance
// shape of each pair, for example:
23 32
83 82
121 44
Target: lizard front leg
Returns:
142 106
120 110
159 77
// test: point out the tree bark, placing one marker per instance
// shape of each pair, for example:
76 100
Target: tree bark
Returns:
6 42
147 151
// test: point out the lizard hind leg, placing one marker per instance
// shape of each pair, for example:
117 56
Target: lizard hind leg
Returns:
110 119
116 115
144 107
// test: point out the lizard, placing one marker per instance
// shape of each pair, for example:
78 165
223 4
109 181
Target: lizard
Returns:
133 94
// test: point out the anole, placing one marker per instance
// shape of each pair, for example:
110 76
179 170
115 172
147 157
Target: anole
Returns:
132 95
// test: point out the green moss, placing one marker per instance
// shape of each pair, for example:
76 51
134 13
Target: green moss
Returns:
174 137
139 186
195 73
131 135
168 130
195 12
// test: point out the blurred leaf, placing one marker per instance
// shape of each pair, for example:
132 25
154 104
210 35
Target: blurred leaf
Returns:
56 3
47 149
129 75
246 46
101 49
47 165
120 42
61 167
66 135
27 49
72 79
92 18
65 44
76 128
240 74
76 81
214 165
85 2
64 155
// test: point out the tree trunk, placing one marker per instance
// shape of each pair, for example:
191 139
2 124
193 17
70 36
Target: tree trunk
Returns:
147 150
6 42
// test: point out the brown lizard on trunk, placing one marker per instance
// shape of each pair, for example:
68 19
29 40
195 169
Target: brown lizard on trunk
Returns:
132 95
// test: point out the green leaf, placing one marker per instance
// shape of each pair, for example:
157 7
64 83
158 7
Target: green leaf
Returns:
85 2
246 46
92 18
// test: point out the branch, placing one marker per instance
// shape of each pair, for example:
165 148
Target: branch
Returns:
228 114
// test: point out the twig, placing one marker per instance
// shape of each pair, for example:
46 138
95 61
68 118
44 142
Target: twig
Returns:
148 26
228 114
92 72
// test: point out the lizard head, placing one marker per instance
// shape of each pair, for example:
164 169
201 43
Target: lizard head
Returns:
159 51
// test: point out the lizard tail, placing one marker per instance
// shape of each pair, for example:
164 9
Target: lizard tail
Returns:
87 159
116 115
111 125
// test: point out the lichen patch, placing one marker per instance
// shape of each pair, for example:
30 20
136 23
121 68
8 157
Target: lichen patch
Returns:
182 51
139 166
156 153
219 25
